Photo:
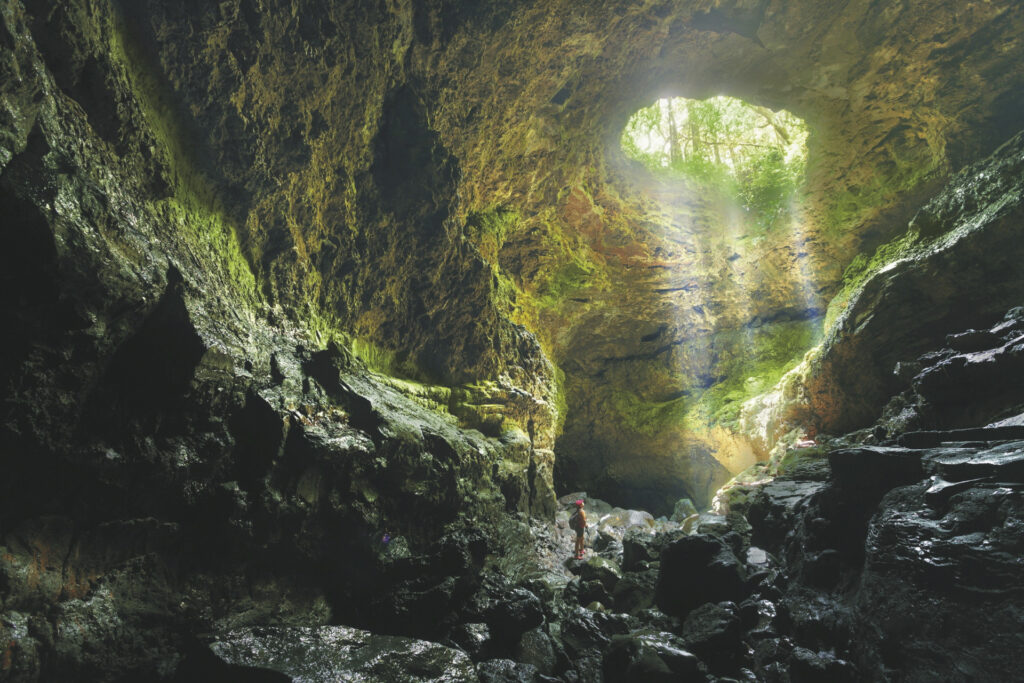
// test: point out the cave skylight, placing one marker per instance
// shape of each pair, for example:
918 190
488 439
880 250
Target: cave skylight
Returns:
744 151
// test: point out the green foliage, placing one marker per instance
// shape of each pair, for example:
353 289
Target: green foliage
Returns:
725 145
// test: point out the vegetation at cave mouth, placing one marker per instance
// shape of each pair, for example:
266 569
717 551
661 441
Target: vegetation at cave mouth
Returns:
739 150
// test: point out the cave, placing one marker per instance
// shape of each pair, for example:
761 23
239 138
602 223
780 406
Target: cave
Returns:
320 317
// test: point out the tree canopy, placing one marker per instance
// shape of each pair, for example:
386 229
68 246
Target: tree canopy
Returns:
749 152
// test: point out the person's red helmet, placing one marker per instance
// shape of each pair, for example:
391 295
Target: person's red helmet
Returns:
579 503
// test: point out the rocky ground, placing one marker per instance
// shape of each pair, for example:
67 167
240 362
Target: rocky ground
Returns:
886 555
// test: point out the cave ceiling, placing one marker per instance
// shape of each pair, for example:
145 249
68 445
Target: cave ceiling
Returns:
442 181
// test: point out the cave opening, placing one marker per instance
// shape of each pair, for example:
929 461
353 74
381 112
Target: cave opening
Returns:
731 299
728 147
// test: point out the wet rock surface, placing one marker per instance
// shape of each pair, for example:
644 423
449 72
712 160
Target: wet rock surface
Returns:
326 653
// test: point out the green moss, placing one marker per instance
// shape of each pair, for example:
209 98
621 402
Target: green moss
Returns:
849 207
489 229
647 417
753 366
863 267
793 457
565 280
211 233
561 399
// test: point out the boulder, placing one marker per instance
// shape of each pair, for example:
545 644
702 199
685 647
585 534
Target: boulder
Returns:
593 591
508 671
333 653
535 648
807 665
650 656
683 509
698 569
635 591
639 546
474 639
941 588
873 470
775 506
514 613
597 568
1004 463
713 632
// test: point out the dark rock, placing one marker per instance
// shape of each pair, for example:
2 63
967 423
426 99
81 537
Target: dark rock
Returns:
758 617
683 510
635 591
973 340
421 594
695 570
815 620
597 568
339 653
585 635
822 569
805 665
875 470
710 523
638 546
775 507
514 613
940 491
650 656
473 639
770 655
1001 463
593 591
931 439
714 633
941 590
508 671
583 629
535 648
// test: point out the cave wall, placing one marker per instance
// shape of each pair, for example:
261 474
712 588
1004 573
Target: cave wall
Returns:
436 188
442 184
179 453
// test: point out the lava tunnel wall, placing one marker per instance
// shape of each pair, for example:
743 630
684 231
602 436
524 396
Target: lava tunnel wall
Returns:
438 188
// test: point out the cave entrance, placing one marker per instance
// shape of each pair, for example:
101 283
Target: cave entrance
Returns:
749 154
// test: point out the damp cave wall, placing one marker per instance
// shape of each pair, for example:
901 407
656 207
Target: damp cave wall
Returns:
440 184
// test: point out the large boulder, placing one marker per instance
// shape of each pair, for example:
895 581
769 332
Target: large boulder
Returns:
698 569
940 591
650 656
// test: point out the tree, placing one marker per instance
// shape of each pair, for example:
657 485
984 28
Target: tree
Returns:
747 151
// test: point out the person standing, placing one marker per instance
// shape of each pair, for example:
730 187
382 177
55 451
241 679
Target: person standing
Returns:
578 522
